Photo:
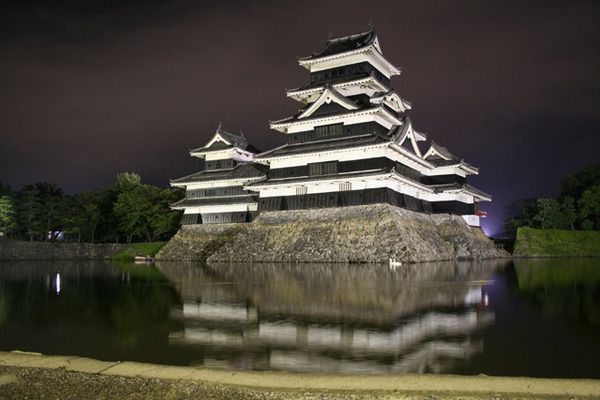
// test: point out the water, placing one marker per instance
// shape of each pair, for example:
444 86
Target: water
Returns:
532 317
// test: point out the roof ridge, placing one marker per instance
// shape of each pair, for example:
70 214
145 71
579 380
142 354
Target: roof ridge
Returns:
371 30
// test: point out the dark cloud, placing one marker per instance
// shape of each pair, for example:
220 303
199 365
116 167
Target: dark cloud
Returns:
91 88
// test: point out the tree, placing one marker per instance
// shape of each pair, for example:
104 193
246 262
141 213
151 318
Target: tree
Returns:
569 213
73 219
162 220
7 215
549 214
127 181
132 209
589 208
5 190
51 196
575 184
522 213
29 213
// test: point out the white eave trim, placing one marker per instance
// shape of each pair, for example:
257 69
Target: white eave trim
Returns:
469 192
424 163
332 151
327 97
282 125
333 179
389 69
294 93
217 182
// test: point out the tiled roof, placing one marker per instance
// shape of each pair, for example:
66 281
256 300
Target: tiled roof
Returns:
301 179
457 186
206 201
238 141
344 44
250 170
324 145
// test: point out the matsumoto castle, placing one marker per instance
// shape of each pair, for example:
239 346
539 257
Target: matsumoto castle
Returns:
352 143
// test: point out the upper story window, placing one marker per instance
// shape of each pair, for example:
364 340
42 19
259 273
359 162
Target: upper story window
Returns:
328 130
348 70
324 168
220 164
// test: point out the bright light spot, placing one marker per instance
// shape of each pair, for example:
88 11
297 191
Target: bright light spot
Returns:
58 283
486 300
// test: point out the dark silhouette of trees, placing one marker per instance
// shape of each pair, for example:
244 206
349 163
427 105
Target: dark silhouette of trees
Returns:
576 207
126 210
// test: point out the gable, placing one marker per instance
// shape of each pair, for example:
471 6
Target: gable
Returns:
328 97
406 139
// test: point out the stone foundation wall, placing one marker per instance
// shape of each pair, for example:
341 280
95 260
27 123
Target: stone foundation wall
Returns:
197 242
358 234
21 250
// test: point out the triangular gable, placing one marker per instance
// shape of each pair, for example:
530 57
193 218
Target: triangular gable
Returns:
435 151
406 138
218 138
376 44
328 96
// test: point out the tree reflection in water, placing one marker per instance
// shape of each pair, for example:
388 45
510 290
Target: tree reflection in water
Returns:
562 288
99 310
541 318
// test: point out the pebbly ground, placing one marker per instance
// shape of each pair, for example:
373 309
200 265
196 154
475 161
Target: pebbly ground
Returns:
43 383
38 376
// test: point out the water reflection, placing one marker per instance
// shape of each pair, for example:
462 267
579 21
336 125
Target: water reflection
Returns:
562 288
538 318
415 318
89 308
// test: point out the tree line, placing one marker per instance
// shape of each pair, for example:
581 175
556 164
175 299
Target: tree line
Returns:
576 207
124 211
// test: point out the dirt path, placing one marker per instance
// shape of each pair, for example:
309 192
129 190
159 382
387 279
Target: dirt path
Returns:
56 377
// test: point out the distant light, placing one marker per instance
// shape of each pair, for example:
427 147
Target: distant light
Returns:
57 283
486 300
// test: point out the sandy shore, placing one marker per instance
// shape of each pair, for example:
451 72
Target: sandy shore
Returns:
24 375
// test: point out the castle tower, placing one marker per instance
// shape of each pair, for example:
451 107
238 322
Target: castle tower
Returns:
353 142
217 194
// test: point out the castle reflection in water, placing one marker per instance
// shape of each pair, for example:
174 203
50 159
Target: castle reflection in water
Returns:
354 318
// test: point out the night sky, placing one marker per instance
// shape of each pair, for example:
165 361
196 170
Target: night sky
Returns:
92 88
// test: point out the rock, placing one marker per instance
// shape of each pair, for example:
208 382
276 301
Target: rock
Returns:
358 234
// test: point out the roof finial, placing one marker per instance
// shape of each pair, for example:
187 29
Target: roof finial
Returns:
242 133
219 127
371 27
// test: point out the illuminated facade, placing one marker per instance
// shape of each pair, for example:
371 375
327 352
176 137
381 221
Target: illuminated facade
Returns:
217 194
352 143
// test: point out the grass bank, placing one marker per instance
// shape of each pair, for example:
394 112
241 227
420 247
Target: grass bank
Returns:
556 243
138 249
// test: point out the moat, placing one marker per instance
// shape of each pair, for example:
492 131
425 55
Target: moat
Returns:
537 318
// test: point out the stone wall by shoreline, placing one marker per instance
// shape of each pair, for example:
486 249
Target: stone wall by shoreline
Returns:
14 250
357 234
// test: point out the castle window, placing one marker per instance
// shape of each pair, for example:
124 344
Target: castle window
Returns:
346 186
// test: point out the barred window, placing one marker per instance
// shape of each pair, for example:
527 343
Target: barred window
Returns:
325 168
328 130
315 169
189 219
345 186
300 190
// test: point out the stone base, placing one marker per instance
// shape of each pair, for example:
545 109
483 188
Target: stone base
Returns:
22 250
197 242
357 234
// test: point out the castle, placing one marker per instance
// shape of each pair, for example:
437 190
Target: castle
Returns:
352 143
